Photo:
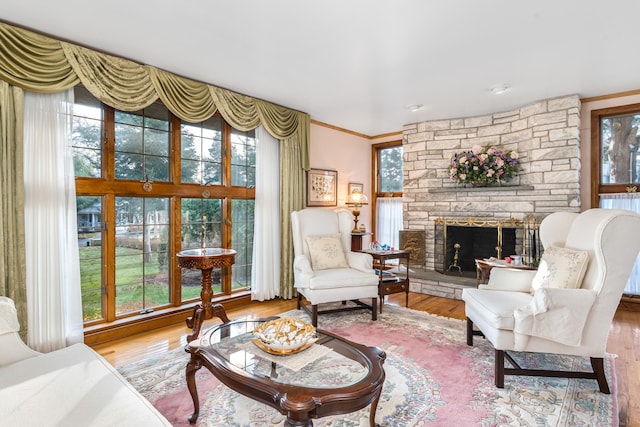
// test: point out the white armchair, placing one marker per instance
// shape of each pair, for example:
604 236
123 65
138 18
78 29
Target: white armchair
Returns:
567 305
325 269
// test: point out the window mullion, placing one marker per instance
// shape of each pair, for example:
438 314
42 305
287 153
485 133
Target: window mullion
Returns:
226 155
175 232
175 241
109 259
108 144
109 233
175 159
226 202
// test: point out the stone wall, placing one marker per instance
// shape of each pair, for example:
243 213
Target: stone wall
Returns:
545 135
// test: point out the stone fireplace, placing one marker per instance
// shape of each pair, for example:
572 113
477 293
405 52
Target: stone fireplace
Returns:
545 135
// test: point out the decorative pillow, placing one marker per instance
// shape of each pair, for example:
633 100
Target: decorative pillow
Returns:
561 268
326 252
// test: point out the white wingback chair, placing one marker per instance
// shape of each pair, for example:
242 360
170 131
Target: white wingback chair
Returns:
568 304
325 269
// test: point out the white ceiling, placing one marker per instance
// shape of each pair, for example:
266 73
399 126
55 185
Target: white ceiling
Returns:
358 64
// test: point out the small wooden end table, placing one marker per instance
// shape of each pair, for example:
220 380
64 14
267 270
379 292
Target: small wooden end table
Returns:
395 284
483 268
356 240
205 260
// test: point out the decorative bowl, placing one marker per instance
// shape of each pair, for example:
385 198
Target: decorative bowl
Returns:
284 335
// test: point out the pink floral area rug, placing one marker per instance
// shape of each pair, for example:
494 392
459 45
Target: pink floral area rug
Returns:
432 379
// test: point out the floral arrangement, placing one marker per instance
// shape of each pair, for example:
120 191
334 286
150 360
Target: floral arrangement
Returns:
482 166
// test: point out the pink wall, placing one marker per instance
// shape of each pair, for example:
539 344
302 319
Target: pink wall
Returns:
348 154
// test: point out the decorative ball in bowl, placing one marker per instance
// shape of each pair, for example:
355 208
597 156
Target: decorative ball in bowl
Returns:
284 335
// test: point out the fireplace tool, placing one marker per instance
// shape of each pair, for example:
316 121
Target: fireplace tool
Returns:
455 259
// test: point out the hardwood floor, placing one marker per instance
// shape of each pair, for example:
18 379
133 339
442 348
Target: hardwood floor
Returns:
624 341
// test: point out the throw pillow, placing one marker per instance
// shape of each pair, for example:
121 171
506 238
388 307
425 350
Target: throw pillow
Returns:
326 252
561 268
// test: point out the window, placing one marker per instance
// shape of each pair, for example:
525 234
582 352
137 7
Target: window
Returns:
141 244
615 150
87 135
615 167
387 194
390 169
243 158
201 224
142 144
242 238
201 145
148 186
90 245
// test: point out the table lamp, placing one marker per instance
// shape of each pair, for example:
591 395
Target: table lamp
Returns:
356 199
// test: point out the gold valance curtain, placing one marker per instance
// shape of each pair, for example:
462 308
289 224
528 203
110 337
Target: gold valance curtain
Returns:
38 63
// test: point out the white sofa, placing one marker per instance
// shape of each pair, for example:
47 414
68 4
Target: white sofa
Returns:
73 386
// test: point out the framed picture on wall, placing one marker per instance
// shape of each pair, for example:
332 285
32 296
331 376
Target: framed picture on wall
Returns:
322 187
355 187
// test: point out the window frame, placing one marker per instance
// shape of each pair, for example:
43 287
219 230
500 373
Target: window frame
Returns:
376 150
108 187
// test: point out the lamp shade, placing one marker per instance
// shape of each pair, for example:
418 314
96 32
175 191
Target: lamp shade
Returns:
357 199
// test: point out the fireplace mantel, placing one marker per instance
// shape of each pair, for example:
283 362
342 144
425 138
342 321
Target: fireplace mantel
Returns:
482 189
480 222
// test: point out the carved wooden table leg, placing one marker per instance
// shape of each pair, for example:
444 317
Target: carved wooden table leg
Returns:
192 367
206 293
218 311
206 260
374 408
195 323
304 422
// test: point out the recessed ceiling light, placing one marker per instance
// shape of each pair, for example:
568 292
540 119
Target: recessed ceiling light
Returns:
414 107
499 89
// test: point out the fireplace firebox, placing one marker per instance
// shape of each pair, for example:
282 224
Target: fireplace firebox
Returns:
458 242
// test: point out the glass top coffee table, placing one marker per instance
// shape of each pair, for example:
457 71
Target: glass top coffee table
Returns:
331 376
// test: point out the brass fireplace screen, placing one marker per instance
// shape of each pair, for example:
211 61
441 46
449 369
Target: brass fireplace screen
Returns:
458 242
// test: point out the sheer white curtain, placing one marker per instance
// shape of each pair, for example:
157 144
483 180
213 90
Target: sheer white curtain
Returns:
389 221
265 270
630 202
54 303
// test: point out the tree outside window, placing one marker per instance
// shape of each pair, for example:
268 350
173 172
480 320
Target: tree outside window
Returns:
620 144
390 169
